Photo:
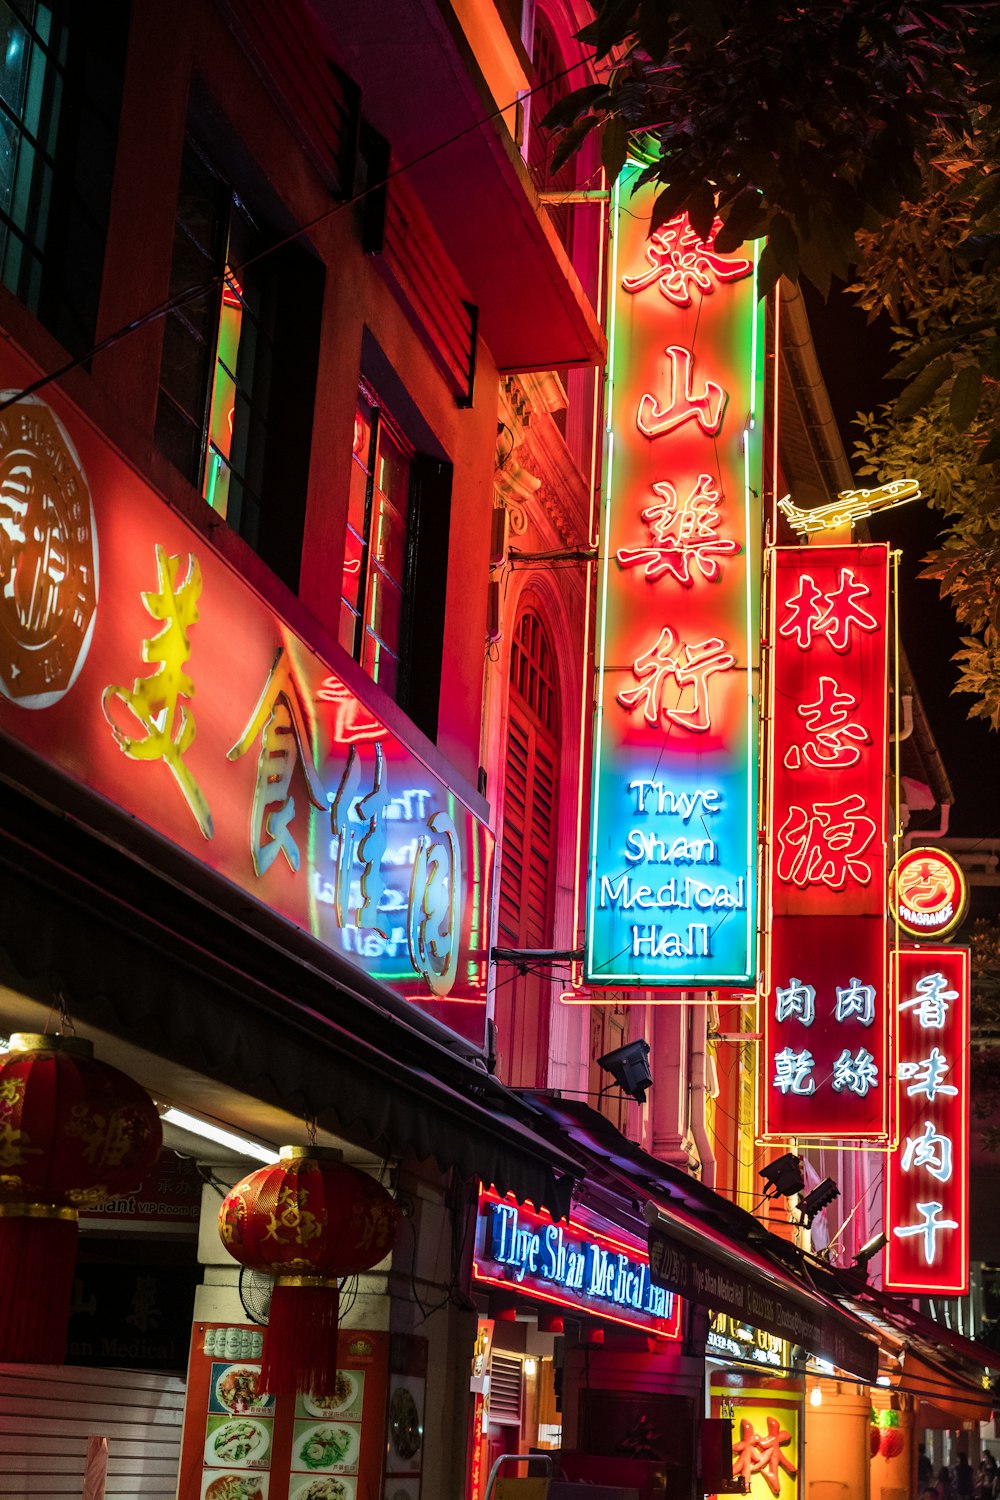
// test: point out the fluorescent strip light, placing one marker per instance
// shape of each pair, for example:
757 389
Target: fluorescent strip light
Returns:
237 1143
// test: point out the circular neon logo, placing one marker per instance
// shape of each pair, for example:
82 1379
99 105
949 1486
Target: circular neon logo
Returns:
48 557
928 893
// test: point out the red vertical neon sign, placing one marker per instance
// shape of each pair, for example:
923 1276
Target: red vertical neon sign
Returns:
826 1015
927 1176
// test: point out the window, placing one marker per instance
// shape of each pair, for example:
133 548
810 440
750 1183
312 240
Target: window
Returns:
527 865
550 72
396 544
377 553
61 72
238 372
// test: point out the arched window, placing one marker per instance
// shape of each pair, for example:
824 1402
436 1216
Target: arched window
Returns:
528 857
551 84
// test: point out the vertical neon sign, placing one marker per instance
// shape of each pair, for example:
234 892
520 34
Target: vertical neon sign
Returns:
674 814
826 1015
927 1176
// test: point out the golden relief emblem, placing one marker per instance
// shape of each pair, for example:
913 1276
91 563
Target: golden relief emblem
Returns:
48 557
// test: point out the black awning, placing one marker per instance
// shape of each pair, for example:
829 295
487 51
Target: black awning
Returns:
709 1250
147 960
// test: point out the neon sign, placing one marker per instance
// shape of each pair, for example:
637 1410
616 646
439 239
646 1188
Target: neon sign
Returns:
927 1175
826 1018
928 893
183 699
570 1265
672 892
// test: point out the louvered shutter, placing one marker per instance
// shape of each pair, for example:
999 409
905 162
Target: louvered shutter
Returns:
528 859
505 1390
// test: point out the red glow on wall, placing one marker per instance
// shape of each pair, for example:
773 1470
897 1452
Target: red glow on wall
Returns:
826 1014
927 1175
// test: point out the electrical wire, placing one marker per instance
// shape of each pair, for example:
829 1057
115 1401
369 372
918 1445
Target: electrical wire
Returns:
206 288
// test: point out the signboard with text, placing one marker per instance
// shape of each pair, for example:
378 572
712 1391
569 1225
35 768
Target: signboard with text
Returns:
674 808
683 1260
927 1175
569 1264
238 1442
767 1436
826 1014
139 663
928 893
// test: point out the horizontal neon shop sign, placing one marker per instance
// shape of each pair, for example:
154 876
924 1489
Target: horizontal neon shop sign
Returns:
570 1265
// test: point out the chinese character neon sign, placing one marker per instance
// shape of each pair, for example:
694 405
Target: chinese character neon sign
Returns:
182 699
673 852
826 1015
927 1175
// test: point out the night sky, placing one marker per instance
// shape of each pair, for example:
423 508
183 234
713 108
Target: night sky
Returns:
853 357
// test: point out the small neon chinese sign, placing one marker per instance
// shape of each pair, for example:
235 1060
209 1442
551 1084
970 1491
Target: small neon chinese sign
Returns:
928 893
826 1016
570 1265
673 816
927 1175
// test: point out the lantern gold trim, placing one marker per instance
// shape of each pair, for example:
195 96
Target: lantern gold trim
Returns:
324 1281
49 1041
38 1211
315 1153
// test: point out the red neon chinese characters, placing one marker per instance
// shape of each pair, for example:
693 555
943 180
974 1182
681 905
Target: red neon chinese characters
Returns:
834 740
811 613
823 846
683 404
755 1454
680 260
684 534
661 664
927 1176
827 1069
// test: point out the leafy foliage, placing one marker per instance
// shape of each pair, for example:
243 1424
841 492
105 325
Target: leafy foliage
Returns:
803 123
938 281
984 940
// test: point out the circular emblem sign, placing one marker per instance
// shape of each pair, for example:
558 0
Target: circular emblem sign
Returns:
48 557
928 893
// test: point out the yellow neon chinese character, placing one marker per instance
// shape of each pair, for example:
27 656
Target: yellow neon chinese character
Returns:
154 701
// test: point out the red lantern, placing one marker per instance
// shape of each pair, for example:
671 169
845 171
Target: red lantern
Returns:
874 1440
892 1442
74 1132
308 1220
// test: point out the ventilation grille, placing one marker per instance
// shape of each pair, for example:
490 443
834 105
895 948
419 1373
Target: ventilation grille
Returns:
505 1390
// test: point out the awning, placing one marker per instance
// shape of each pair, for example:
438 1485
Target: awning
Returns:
147 959
707 1249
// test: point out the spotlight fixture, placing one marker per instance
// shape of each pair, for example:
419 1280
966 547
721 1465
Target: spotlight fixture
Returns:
869 1250
812 1203
783 1176
629 1067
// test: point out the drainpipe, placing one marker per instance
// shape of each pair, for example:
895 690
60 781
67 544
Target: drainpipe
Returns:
698 1089
921 835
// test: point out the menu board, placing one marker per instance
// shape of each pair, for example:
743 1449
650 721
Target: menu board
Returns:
238 1444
